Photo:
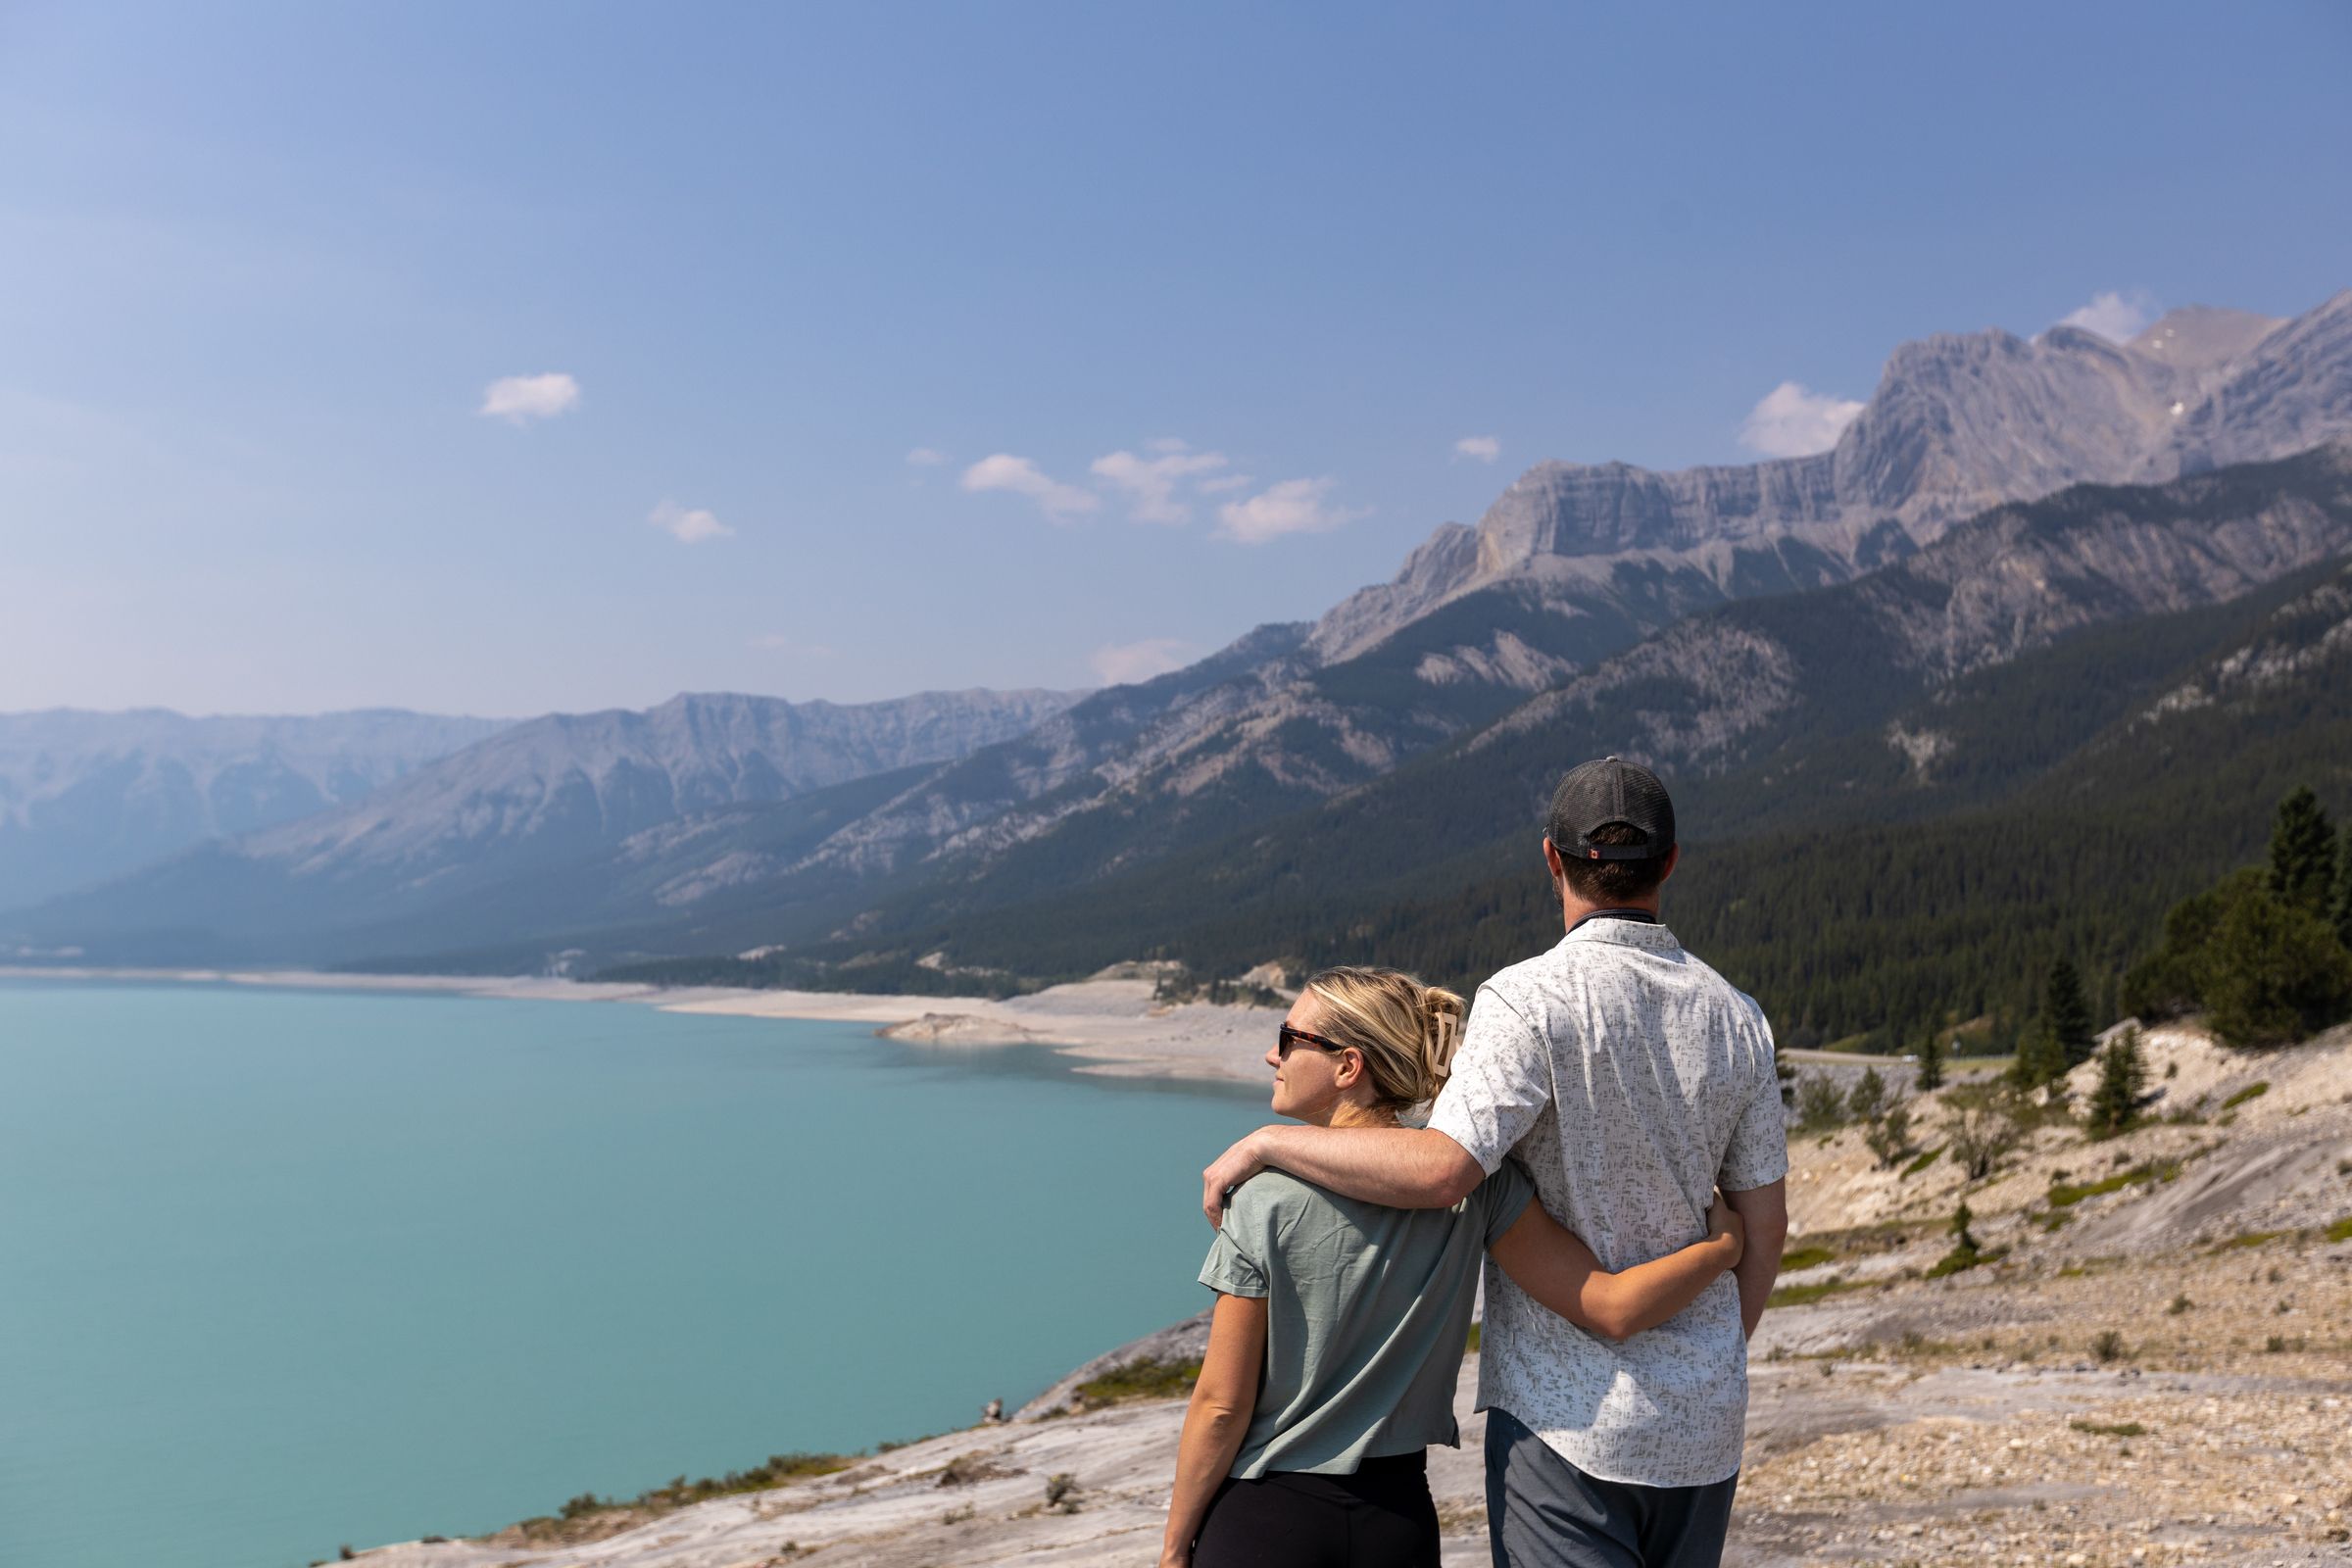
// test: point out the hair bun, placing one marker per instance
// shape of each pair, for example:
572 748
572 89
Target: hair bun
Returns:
1441 1012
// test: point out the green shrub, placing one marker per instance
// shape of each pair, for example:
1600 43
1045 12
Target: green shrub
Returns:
1143 1379
2253 1091
1819 1104
2340 1231
1805 1258
2065 1195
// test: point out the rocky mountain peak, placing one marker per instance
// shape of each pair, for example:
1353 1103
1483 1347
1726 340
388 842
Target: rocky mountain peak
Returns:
1959 422
2200 337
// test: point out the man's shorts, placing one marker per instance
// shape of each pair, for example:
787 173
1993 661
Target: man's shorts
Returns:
1544 1512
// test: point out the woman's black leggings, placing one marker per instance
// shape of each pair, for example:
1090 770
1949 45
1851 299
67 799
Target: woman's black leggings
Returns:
1380 1517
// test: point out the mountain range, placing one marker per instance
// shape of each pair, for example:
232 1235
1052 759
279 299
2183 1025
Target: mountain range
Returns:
423 809
84 797
1697 617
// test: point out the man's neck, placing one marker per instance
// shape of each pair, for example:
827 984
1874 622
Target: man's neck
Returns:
1574 909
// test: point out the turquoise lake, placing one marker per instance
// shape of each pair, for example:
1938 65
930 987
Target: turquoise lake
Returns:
281 1270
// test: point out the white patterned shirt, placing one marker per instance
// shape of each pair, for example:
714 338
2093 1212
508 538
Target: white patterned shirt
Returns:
1631 1080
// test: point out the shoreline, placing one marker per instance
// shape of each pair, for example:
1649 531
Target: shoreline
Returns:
1109 1024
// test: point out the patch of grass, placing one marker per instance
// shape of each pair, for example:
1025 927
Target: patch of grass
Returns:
2108 1346
2106 1429
2248 1239
580 1516
1921 1163
1143 1379
1805 1294
2065 1195
1960 1260
1478 1334
1805 1258
2252 1090
2340 1231
2181 1304
2055 1219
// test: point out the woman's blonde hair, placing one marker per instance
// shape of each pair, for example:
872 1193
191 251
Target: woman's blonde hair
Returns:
1405 1030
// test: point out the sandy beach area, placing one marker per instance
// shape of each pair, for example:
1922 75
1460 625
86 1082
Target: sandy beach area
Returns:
1111 1022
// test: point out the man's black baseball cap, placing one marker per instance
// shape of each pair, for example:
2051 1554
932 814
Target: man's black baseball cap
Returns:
1599 794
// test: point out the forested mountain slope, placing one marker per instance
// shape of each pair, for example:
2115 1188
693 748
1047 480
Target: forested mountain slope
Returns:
2030 738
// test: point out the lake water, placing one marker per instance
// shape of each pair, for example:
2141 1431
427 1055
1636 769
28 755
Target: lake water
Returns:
281 1270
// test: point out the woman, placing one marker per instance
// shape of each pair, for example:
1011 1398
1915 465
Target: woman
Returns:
1340 1326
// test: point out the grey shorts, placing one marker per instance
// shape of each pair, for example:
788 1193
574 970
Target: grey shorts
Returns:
1544 1512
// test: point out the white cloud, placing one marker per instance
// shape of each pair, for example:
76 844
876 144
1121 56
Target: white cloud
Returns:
777 641
926 458
688 527
1792 422
1484 448
520 399
1224 482
1003 471
1151 482
2115 317
1294 506
1124 664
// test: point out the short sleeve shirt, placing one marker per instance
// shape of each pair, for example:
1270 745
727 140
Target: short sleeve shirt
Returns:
1631 1080
1367 1316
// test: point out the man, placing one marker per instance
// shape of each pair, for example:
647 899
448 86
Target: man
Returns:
1632 1081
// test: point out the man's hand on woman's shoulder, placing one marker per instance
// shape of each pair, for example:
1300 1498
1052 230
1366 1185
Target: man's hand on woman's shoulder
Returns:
1228 1171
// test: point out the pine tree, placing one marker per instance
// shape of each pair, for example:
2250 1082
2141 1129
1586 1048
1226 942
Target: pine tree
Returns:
2068 1014
2343 896
2274 973
2303 853
1868 1097
2040 1060
1931 1062
2122 1079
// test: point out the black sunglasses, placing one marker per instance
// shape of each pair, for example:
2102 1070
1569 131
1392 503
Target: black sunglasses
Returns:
1290 1037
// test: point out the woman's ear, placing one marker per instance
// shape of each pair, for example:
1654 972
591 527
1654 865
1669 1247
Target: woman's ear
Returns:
1351 1069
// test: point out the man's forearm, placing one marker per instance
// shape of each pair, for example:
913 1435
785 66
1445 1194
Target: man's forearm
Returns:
1402 1167
1765 1211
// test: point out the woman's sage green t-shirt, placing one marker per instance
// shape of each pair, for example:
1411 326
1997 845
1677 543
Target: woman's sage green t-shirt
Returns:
1367 1316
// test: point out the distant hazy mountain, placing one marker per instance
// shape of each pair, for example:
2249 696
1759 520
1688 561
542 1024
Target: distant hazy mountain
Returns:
532 799
86 796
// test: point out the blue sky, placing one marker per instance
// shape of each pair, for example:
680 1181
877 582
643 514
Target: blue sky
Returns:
1190 306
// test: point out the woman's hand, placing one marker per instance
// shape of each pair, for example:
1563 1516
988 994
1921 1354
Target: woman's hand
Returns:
1723 1220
